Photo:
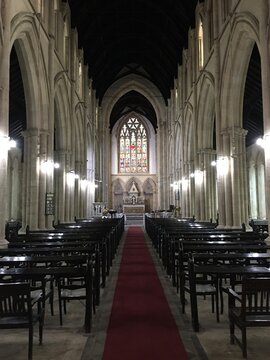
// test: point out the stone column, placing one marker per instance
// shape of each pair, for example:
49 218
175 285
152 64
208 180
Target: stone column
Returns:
261 191
69 193
49 110
4 113
244 201
227 183
236 177
210 185
77 189
42 180
60 187
265 61
31 177
164 184
201 185
253 190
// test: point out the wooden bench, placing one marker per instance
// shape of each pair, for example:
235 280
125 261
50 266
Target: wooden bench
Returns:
253 308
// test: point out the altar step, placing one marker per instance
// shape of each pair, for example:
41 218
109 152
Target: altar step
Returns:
134 219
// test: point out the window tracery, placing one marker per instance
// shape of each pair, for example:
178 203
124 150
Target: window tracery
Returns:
133 147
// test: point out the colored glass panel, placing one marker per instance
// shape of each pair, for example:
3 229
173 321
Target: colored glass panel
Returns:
133 147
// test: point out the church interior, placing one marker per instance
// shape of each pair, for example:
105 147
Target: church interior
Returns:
135 150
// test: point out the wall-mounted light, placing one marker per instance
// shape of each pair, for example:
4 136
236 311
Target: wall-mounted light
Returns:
192 175
185 183
261 142
223 165
71 177
175 185
213 163
6 143
199 175
47 166
84 184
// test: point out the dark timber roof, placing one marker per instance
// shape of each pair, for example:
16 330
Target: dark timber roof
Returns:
132 35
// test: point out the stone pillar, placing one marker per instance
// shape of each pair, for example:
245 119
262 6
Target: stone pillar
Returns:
227 182
60 187
200 180
69 193
164 181
244 201
77 189
42 180
209 185
236 177
261 191
239 177
49 110
4 113
191 192
265 61
253 190
31 178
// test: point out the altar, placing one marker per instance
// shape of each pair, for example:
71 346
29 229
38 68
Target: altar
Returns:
133 209
133 203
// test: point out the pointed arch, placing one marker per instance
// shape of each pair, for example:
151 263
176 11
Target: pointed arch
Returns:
206 113
25 36
243 35
62 115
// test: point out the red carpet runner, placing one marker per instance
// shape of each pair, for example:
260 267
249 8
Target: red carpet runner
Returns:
141 326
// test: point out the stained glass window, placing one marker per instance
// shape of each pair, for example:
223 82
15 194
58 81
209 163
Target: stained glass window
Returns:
133 147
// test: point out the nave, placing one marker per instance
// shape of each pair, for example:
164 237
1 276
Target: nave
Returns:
71 342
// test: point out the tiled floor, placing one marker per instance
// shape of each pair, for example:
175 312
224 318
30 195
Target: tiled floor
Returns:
69 342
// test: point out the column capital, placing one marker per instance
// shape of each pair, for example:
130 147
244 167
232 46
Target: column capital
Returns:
30 132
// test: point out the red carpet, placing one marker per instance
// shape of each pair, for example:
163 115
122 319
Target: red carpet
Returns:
141 326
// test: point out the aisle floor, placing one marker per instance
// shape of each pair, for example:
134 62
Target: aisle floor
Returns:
69 342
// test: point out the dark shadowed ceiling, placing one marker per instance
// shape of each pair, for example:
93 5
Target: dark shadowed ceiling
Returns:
144 37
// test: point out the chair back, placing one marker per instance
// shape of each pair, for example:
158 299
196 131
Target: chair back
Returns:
15 300
256 297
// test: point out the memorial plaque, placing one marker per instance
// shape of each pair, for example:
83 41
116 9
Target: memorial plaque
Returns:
49 205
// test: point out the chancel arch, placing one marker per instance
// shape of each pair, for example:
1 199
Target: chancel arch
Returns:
133 159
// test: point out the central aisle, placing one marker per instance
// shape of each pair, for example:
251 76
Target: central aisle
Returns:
141 325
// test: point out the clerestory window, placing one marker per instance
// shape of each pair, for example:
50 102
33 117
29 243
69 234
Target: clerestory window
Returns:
133 147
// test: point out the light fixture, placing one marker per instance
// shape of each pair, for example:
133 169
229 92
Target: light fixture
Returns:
199 174
6 143
84 184
261 142
213 163
12 144
47 166
71 176
185 183
223 165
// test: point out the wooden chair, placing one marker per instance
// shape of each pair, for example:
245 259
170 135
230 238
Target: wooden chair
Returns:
16 310
253 309
201 286
73 288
